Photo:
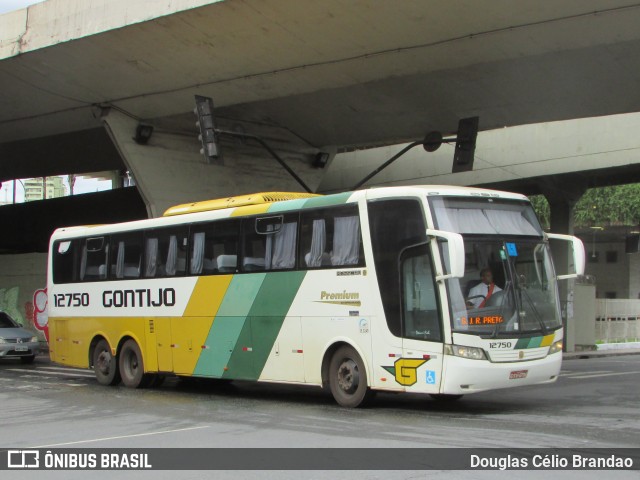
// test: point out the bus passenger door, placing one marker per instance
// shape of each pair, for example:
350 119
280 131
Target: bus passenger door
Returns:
422 347
162 327
60 340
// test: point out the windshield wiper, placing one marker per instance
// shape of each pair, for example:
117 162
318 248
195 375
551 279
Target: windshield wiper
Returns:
544 328
505 303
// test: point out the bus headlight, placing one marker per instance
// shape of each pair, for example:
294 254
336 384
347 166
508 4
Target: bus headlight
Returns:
555 347
473 353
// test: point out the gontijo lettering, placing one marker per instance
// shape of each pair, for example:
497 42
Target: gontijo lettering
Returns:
141 297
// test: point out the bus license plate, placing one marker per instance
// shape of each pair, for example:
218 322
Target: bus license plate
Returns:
22 349
518 374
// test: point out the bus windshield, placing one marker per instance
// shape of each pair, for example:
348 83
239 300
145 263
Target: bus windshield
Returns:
509 287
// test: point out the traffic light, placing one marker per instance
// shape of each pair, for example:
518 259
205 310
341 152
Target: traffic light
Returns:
208 137
465 145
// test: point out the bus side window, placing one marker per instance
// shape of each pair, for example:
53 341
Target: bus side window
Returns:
165 252
65 259
214 247
392 232
331 237
126 257
93 259
419 299
270 243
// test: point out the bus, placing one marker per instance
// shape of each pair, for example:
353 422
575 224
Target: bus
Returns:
355 292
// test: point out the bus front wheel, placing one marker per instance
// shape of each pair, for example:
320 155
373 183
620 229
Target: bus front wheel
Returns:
131 365
105 365
348 378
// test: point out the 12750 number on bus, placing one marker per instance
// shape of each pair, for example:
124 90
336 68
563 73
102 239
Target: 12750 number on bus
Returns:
71 300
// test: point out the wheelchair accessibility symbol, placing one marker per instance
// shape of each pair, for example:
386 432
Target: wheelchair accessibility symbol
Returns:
431 377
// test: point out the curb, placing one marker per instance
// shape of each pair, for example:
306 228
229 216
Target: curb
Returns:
601 353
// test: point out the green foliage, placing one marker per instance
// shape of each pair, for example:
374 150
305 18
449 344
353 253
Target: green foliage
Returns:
606 206
541 207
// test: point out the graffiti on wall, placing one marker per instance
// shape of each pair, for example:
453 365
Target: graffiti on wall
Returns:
9 304
39 317
34 314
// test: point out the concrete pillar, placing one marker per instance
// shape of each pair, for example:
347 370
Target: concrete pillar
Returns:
562 200
170 170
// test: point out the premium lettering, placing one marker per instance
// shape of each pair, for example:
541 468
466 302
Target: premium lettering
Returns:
344 295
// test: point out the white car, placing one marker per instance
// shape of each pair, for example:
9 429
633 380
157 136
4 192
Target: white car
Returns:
16 341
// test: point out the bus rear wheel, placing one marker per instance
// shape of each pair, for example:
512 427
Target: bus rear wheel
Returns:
105 365
348 378
131 365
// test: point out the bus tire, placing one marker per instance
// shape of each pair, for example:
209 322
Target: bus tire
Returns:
131 365
105 365
348 378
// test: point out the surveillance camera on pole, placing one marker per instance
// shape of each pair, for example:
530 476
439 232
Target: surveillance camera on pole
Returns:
204 110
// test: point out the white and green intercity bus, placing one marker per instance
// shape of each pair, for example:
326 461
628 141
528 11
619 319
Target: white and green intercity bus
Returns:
359 292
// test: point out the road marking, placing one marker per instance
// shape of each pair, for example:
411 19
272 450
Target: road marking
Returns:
67 369
41 372
162 432
603 375
571 374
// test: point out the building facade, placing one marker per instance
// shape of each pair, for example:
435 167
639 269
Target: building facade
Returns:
43 188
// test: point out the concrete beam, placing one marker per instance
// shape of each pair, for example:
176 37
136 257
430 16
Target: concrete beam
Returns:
509 156
170 170
80 152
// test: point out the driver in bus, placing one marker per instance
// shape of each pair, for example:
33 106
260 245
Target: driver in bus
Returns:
480 294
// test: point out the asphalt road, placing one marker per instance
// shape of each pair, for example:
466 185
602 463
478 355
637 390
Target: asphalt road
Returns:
595 403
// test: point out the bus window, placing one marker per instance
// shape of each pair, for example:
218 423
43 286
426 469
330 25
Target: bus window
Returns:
331 237
270 243
65 258
214 247
390 234
93 259
126 259
419 299
165 252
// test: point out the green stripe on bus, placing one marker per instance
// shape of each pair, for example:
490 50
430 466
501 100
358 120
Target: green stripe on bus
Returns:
535 342
531 342
286 206
266 317
228 325
328 200
241 294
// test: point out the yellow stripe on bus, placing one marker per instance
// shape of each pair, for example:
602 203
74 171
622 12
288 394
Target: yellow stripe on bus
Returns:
189 333
547 340
207 296
250 210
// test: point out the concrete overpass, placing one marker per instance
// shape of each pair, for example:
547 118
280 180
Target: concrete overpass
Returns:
78 76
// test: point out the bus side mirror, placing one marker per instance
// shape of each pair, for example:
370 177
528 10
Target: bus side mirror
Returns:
455 252
578 254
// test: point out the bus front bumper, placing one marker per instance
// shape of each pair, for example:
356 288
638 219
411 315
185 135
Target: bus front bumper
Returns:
466 376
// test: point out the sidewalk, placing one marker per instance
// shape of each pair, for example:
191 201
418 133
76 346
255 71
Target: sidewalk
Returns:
605 350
